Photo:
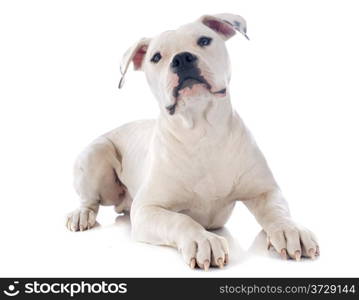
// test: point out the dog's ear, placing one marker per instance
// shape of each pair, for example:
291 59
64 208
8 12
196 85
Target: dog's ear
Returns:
225 24
134 54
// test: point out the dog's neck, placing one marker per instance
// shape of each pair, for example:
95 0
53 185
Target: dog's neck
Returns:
212 119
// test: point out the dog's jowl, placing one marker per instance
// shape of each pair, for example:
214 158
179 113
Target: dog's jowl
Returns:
179 176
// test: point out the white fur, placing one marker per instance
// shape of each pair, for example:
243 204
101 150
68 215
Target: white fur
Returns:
182 174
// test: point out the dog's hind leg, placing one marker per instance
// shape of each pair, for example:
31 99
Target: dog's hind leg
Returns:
96 182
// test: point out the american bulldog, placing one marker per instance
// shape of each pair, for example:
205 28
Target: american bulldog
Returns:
180 175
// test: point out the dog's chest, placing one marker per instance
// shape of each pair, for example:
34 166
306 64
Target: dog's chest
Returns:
213 172
212 186
212 183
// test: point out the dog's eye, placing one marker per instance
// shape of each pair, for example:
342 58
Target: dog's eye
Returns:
156 57
204 41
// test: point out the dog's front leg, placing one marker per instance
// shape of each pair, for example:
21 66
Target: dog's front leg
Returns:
272 213
155 224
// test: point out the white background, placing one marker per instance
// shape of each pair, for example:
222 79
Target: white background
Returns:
295 83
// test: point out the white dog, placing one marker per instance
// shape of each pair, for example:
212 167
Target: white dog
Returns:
181 175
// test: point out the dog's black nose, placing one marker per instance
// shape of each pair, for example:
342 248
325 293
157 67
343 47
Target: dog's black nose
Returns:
183 60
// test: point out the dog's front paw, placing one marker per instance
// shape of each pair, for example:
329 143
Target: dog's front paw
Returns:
81 219
290 239
205 249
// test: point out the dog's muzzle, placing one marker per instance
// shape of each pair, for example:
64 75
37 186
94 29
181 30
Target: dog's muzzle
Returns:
184 64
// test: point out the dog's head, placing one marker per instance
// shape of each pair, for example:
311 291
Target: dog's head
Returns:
188 63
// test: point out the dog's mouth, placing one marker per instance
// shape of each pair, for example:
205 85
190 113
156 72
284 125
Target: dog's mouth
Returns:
187 82
190 82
